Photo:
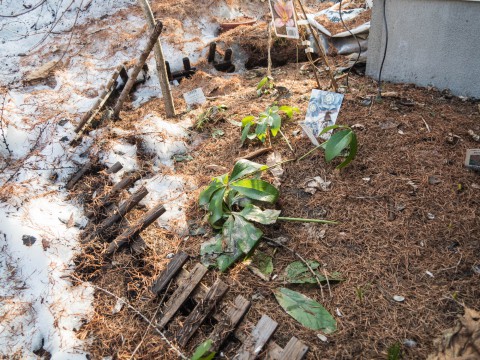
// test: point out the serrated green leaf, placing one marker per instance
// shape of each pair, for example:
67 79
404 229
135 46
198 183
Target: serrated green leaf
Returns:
254 213
256 189
213 254
306 311
352 153
337 143
244 234
298 273
244 168
202 352
216 206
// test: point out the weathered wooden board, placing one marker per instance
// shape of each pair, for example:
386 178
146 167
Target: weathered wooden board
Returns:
182 293
228 322
253 345
172 269
295 350
201 311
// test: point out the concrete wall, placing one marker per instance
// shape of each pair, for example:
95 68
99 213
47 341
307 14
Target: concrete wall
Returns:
431 42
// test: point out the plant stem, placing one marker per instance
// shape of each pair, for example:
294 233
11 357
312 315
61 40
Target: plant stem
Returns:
311 151
307 220
286 140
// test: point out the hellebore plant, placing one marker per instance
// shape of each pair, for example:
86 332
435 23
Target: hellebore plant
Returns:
235 201
267 122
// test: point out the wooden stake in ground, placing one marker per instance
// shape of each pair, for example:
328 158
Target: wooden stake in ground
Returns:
138 67
321 50
160 60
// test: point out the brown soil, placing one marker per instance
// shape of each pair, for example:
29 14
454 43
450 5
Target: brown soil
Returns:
384 245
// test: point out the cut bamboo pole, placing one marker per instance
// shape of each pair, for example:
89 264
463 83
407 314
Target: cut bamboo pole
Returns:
138 67
321 49
160 60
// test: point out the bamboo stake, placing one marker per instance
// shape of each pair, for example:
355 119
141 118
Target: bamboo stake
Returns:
160 60
321 49
138 67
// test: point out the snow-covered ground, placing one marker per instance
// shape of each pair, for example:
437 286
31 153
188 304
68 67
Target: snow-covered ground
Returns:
80 43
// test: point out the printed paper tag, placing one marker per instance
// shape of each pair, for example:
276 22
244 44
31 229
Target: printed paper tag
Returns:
472 159
195 97
323 109
284 20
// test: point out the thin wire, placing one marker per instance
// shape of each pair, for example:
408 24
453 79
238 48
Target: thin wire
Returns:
385 50
351 33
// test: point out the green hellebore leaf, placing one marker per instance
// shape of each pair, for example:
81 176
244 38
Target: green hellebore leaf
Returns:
337 143
207 193
244 168
216 206
298 273
289 110
275 124
306 311
202 352
245 132
256 189
352 152
261 131
262 83
247 120
254 213
213 254
263 262
241 234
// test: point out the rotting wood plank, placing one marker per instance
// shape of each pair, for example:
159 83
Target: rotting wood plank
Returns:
182 293
118 214
138 245
140 225
227 323
274 351
255 342
173 267
105 199
115 168
85 168
294 350
201 311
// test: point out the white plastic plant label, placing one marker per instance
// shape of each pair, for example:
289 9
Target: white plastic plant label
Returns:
284 20
323 109
194 97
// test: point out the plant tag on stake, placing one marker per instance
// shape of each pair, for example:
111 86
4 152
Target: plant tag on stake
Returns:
284 20
323 109
194 97
472 159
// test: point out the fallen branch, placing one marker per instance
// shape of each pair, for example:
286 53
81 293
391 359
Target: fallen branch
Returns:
140 225
162 335
255 154
79 174
138 67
